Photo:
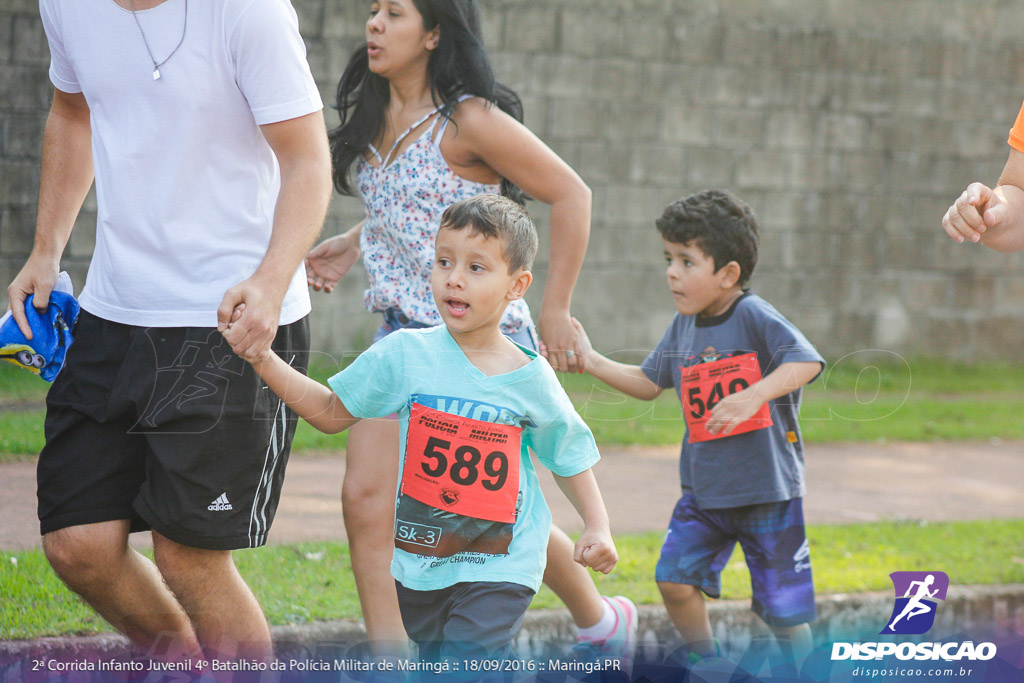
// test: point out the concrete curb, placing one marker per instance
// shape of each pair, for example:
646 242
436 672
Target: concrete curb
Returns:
547 633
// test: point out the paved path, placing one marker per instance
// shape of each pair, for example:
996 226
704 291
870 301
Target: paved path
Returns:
846 483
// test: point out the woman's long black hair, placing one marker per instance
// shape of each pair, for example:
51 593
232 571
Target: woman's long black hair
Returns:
457 66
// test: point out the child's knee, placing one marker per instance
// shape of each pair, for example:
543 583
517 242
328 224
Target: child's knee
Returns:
678 593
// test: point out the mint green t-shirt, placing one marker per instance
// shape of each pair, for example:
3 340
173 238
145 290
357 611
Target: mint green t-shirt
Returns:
458 466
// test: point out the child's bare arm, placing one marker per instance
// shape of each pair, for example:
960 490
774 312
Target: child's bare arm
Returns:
992 216
595 548
629 379
312 401
737 408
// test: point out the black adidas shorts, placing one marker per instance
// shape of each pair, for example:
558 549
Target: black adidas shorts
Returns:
169 428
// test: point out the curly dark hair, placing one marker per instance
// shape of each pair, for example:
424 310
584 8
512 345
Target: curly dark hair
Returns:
721 225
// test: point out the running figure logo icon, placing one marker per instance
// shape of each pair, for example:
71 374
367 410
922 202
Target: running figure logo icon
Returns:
916 595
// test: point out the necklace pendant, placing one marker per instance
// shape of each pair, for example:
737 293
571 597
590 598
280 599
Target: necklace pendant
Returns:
156 74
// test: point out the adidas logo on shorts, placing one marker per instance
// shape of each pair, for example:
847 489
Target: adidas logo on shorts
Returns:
220 504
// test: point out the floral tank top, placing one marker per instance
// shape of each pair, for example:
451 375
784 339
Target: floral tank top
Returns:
404 199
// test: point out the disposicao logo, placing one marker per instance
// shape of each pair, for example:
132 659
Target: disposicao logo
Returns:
916 595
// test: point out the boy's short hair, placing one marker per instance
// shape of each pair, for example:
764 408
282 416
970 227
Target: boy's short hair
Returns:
721 225
493 215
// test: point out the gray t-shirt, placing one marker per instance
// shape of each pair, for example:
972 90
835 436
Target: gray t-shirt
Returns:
760 466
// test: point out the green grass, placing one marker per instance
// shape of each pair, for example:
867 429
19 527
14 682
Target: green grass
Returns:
20 386
862 397
313 581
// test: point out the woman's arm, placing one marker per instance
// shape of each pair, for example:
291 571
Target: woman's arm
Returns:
486 135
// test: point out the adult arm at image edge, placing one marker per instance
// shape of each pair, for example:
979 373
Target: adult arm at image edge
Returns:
300 145
515 153
1005 225
991 216
65 177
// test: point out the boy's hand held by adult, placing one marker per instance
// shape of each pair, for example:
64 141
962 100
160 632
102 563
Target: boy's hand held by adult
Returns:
256 362
586 351
252 334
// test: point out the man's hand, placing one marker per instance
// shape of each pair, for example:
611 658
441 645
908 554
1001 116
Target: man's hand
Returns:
38 276
328 262
64 180
732 411
252 332
561 341
596 550
978 209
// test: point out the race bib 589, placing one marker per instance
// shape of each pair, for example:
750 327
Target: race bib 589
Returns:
461 465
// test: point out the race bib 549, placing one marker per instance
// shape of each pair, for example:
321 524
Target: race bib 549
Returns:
705 384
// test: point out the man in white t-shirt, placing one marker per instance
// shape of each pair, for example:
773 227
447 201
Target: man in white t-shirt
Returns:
203 129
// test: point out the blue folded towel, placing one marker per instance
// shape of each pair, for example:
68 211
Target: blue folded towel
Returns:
51 336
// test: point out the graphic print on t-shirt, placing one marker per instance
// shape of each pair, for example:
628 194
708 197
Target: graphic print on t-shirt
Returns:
459 489
710 379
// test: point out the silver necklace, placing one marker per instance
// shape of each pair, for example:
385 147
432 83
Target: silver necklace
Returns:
184 28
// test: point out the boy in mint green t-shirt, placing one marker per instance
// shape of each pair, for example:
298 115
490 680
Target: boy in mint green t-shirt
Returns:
471 523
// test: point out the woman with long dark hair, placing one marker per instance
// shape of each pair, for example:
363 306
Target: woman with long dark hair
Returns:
424 123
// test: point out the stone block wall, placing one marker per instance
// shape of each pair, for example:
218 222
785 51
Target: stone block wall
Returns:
849 126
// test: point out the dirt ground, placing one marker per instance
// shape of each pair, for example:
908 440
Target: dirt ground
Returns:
845 483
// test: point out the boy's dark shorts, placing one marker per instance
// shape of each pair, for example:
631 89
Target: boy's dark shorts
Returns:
166 427
699 542
478 619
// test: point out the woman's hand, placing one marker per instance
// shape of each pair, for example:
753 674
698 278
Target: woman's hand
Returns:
328 262
561 342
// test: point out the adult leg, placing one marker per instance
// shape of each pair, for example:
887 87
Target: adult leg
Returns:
368 503
88 474
227 618
95 561
688 612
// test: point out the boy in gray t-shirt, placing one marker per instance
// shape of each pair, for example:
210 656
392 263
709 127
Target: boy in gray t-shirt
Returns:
738 367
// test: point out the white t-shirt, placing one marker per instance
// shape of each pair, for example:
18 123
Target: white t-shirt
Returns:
186 184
